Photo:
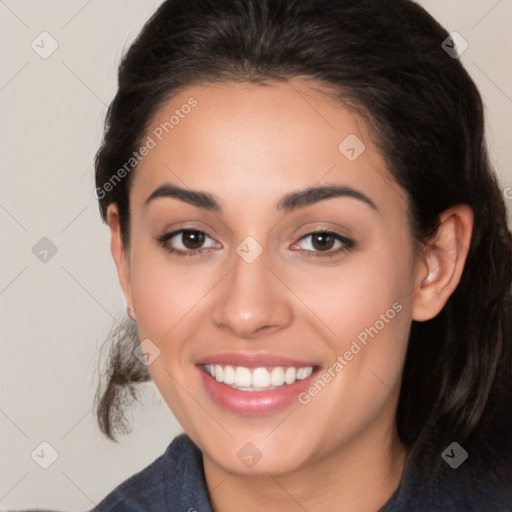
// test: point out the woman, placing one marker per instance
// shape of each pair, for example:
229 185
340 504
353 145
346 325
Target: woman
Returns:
315 257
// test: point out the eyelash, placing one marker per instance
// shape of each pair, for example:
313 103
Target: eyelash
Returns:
347 244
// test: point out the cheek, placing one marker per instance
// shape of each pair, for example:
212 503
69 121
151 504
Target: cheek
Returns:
165 292
167 301
376 323
354 296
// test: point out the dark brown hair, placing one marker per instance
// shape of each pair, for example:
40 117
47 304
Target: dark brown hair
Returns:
384 58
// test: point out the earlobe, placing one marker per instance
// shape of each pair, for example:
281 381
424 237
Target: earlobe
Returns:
443 262
120 256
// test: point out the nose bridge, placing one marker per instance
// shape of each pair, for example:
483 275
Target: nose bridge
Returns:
251 298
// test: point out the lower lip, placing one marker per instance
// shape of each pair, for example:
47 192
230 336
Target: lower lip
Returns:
253 402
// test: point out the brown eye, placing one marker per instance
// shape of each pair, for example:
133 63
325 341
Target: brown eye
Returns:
186 242
192 239
324 244
322 241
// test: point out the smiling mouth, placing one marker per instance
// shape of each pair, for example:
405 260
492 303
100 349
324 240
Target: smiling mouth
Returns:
242 378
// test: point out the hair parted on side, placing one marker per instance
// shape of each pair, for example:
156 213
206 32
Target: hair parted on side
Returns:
383 58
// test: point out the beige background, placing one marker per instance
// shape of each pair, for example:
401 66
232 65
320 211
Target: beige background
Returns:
55 315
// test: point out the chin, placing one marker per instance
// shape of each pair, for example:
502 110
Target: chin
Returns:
258 457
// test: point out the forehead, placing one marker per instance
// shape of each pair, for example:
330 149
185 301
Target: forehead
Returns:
259 142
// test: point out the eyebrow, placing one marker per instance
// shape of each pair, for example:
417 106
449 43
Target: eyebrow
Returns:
288 203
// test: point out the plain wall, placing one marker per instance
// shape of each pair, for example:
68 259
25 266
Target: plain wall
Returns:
55 315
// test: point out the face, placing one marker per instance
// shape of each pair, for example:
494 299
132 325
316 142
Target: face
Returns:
299 303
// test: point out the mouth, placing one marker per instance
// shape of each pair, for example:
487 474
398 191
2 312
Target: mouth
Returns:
263 378
255 384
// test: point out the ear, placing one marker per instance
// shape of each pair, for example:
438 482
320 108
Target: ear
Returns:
120 254
443 261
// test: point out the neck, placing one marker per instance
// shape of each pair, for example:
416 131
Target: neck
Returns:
362 478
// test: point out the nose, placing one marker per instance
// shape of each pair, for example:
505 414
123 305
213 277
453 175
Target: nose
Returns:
252 301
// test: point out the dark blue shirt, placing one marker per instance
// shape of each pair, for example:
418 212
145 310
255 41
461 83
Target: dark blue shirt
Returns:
175 482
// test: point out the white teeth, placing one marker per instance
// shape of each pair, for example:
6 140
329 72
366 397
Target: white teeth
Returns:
248 379
243 377
261 378
304 373
289 376
277 376
229 375
219 373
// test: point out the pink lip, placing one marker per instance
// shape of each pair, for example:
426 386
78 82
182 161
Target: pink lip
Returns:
258 360
254 403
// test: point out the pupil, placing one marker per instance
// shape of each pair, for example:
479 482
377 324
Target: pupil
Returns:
193 239
325 241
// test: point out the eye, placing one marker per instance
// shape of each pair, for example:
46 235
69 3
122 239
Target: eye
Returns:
188 241
324 241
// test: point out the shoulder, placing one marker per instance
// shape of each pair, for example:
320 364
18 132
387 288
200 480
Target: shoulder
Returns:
174 477
473 476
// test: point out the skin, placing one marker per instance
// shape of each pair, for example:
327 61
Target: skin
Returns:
249 145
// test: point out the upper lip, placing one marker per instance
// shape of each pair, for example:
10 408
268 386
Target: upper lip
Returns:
256 360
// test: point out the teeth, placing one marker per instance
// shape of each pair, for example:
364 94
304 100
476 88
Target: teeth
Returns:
229 375
277 376
304 373
289 376
248 379
243 376
219 373
260 378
